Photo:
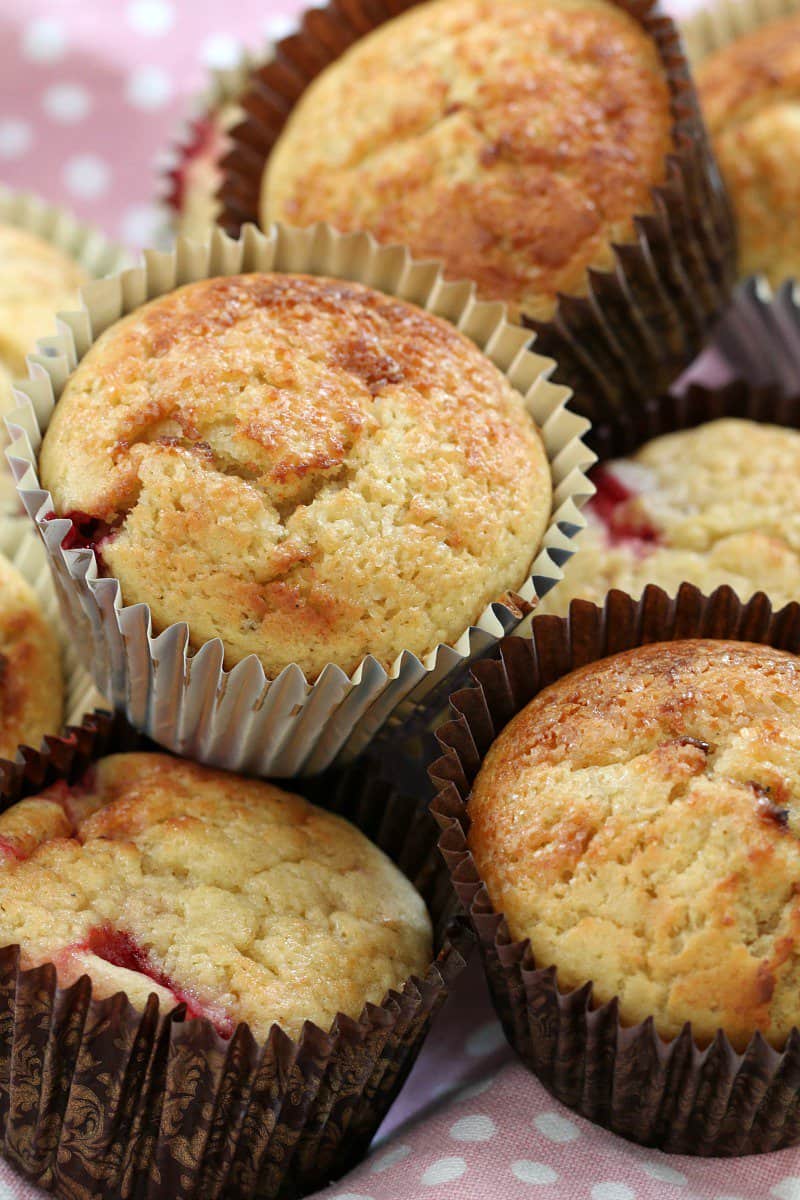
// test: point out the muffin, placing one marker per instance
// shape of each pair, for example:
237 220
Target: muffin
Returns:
31 683
637 822
749 91
719 504
306 468
514 142
239 900
194 180
36 280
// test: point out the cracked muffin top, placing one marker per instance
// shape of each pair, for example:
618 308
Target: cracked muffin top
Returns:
228 895
513 141
719 504
750 94
31 681
306 468
638 821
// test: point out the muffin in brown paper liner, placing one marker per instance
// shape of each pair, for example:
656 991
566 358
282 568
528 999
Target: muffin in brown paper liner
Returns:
639 325
99 1099
666 1093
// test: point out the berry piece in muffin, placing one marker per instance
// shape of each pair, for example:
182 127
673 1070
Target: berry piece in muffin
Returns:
515 142
31 682
714 505
228 895
304 467
639 822
195 179
750 94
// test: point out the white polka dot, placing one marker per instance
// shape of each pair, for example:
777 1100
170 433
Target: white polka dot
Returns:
612 1191
389 1158
15 137
476 1089
86 175
445 1170
66 102
280 26
44 40
484 1040
663 1173
221 50
476 1128
533 1172
556 1128
152 18
148 87
787 1189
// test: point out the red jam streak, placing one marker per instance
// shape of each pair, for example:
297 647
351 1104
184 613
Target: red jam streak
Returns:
9 850
120 949
612 505
87 533
201 143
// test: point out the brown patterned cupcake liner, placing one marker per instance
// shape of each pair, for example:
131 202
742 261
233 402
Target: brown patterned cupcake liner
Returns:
672 1094
97 1098
640 324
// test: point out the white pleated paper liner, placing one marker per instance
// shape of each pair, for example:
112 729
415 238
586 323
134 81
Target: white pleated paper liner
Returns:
183 698
20 544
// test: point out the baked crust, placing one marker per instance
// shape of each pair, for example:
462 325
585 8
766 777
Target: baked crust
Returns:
157 875
306 468
31 681
638 821
513 141
749 92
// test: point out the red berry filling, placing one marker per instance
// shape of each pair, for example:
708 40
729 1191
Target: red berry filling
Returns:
202 142
9 850
87 533
121 949
614 504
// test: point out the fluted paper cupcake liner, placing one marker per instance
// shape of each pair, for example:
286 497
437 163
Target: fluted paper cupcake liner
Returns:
224 88
22 547
185 699
86 245
667 1093
97 1098
640 324
717 24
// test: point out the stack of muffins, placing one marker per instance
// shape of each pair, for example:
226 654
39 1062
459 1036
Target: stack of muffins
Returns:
296 484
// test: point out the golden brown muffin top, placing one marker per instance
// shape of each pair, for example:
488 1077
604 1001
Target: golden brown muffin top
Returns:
246 903
715 505
31 683
749 92
639 822
307 468
513 141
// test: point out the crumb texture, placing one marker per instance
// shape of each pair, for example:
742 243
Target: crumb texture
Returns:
640 822
242 901
715 505
513 141
306 468
750 94
31 682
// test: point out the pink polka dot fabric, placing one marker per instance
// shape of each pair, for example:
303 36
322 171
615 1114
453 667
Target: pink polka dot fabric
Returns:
92 93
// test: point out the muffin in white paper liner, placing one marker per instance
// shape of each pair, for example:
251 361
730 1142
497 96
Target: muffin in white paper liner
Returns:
717 24
183 698
24 550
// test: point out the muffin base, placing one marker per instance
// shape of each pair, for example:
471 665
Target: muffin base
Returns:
639 325
666 1093
97 1098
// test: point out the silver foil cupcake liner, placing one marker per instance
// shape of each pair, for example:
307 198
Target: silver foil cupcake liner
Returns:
673 1093
183 698
99 1099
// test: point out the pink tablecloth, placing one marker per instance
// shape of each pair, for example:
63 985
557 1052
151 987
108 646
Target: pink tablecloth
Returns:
91 93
